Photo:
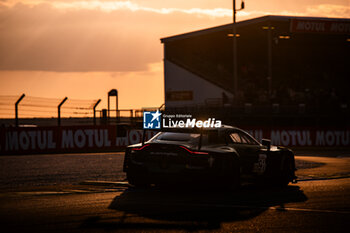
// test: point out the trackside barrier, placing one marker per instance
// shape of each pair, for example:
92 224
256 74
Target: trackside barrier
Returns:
38 140
304 136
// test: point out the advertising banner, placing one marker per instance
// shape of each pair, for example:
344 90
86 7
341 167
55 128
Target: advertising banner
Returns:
33 140
39 140
320 26
301 137
179 95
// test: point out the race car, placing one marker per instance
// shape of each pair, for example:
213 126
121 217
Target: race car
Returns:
226 155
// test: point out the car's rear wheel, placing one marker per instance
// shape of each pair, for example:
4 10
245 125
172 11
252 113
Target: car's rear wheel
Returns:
137 180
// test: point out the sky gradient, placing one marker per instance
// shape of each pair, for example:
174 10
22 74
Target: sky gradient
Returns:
82 49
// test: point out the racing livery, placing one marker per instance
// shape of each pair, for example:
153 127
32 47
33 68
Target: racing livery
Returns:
225 155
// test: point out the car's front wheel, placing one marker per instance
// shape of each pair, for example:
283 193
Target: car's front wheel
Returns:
286 174
232 174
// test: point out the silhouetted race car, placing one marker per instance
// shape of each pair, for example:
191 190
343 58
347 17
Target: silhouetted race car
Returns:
225 155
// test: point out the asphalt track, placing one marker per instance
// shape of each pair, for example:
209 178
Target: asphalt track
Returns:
87 193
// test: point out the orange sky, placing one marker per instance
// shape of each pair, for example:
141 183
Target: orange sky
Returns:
82 49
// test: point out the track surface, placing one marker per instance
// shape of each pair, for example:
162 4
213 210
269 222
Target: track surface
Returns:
87 193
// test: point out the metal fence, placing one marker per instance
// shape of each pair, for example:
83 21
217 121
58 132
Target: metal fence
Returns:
23 106
23 110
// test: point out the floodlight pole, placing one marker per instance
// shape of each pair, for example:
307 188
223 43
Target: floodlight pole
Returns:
16 108
269 46
59 111
98 101
235 72
235 87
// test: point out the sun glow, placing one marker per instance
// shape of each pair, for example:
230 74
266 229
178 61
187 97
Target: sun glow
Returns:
110 6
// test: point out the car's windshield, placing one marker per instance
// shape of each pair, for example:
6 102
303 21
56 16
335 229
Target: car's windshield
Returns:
172 136
210 137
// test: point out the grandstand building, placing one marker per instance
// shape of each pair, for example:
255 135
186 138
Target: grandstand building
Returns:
281 61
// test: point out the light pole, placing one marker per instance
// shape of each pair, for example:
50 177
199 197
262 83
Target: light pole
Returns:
235 76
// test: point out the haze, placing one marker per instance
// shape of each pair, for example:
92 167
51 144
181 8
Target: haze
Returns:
82 49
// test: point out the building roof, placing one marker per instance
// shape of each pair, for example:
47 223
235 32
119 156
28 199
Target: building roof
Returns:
246 23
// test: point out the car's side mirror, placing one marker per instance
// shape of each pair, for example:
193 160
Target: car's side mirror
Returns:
267 143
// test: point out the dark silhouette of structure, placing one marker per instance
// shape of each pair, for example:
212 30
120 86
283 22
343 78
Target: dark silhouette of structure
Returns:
282 61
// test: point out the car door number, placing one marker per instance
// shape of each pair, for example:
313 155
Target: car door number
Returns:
260 166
